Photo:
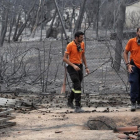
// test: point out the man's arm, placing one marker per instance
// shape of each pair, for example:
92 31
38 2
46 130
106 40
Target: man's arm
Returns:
125 54
65 59
85 63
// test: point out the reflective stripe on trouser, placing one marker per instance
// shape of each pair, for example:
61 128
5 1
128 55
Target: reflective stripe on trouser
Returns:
76 91
134 79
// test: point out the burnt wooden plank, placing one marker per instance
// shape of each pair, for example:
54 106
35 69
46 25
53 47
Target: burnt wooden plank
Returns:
6 112
7 102
3 120
7 124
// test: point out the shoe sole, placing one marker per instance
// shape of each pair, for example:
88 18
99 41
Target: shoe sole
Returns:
133 110
79 111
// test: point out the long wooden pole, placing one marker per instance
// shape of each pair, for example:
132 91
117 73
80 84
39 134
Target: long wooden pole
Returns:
63 89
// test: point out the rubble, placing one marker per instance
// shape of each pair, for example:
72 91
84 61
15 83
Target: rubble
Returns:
129 132
5 116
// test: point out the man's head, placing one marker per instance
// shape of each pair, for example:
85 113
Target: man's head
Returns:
138 36
138 32
79 36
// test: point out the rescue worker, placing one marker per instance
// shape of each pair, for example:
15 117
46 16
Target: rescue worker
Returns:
133 65
74 56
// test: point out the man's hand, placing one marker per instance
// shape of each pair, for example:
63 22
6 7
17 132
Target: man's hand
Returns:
76 67
87 71
130 68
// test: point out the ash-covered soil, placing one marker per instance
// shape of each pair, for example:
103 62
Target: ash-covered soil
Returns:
47 117
58 124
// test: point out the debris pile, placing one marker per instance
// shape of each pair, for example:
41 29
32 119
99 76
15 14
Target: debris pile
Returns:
128 133
5 117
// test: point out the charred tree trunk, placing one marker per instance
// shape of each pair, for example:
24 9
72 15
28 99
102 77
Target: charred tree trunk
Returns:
119 38
97 20
48 32
63 27
42 9
72 18
15 38
11 27
37 18
4 26
17 25
12 19
80 17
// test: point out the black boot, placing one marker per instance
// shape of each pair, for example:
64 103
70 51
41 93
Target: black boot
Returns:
70 100
133 106
78 110
78 103
70 104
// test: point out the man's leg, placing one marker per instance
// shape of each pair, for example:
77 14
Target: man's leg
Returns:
138 99
74 75
134 92
70 100
77 92
76 89
71 72
77 97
